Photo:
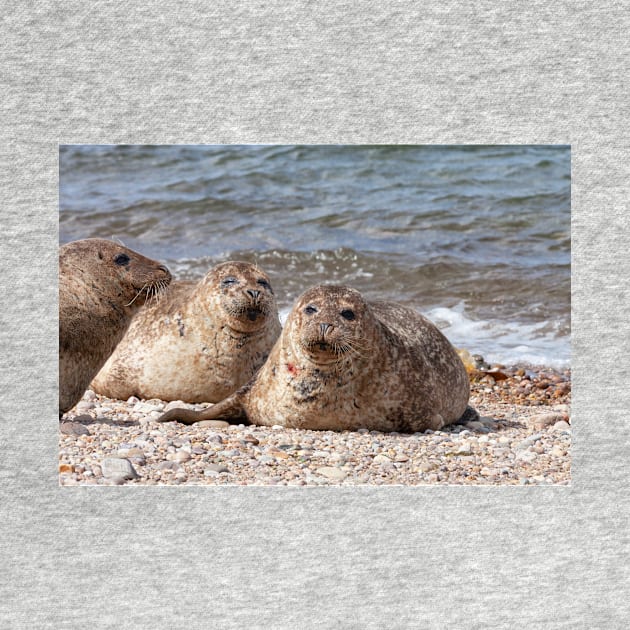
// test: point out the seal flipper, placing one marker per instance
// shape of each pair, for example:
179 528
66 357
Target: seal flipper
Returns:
470 415
230 409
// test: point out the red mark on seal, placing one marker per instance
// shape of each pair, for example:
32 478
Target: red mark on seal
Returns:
292 369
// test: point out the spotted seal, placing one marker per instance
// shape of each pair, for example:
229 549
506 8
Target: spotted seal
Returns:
343 363
101 285
200 342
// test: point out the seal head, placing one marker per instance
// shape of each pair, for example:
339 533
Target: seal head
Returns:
101 286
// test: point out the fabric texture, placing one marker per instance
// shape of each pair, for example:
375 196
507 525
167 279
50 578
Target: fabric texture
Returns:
326 72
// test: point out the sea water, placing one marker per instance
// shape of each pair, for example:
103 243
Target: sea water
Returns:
475 237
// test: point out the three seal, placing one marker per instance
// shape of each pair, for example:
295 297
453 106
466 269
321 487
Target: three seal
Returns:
200 342
343 363
101 286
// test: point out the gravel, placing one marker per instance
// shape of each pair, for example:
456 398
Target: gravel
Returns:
522 438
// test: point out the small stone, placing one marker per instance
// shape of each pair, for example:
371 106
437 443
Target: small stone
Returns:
214 438
464 449
143 407
401 458
181 456
234 452
382 459
526 456
73 428
130 452
543 420
558 451
529 441
561 426
66 468
278 453
212 470
89 395
214 424
167 465
334 474
85 405
176 404
250 439
277 427
132 400
117 468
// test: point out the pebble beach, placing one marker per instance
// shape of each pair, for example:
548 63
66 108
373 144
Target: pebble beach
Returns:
523 437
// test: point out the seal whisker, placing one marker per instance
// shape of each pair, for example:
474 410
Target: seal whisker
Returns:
144 286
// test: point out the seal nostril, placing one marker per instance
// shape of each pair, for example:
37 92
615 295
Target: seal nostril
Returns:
324 328
254 294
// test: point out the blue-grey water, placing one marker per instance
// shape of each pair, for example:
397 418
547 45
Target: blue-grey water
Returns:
475 237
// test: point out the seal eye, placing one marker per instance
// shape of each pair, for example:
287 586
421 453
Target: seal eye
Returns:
309 310
121 260
263 283
226 282
348 314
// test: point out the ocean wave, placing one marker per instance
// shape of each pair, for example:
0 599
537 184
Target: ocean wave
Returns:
502 341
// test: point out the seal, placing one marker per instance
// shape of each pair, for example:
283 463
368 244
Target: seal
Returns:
101 286
200 342
343 363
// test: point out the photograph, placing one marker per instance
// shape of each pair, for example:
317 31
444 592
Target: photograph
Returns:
314 315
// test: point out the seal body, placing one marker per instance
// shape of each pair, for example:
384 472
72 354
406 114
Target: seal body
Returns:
343 363
200 342
101 286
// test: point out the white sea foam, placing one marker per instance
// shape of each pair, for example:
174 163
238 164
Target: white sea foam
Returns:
500 341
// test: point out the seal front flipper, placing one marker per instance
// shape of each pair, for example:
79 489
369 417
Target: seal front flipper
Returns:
470 415
230 409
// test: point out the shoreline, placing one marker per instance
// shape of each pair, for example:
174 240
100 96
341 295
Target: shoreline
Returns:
523 437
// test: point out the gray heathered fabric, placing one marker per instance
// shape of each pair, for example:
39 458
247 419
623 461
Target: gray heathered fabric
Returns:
326 72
